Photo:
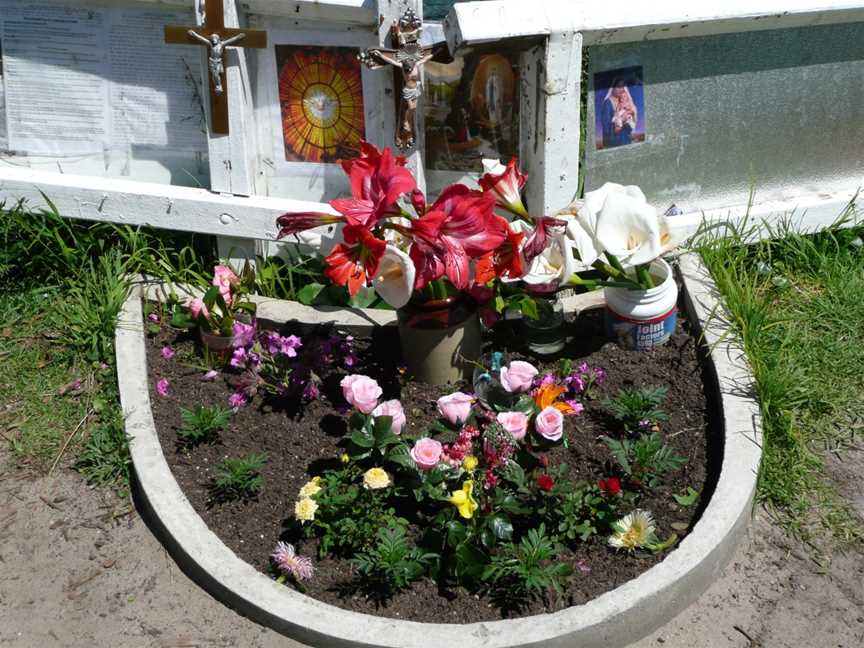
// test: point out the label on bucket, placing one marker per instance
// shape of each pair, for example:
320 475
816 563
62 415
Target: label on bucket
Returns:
640 335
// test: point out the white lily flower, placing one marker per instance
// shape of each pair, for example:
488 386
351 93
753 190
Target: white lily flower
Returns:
622 223
555 265
394 281
493 166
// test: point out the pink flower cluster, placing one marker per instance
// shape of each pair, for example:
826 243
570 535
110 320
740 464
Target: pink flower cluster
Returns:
225 279
276 344
454 453
585 378
361 391
291 563
518 376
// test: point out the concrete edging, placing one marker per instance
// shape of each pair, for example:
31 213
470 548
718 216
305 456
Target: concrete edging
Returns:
616 618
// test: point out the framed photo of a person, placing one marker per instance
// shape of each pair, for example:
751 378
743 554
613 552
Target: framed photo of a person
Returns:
619 107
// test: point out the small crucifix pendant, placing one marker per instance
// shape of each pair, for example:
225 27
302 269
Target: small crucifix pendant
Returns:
216 37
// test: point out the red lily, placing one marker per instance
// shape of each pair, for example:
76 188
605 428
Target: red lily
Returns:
355 260
538 240
377 180
503 261
460 224
506 187
302 221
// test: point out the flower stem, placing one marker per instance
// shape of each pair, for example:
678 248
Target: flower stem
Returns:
646 281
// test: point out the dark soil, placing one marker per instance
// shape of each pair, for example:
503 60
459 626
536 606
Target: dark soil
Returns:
300 442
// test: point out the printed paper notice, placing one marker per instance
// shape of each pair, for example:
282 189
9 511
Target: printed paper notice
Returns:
56 71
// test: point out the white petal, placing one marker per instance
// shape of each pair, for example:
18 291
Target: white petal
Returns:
394 281
583 243
493 166
628 228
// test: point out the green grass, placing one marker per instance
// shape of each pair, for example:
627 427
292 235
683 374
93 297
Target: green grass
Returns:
798 304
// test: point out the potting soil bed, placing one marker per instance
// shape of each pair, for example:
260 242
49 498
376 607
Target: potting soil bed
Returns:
302 441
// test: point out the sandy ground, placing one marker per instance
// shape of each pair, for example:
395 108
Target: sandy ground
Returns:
78 567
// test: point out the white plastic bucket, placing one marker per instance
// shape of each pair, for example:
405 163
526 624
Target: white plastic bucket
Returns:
643 319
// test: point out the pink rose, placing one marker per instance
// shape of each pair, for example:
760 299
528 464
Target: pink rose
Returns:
518 376
392 408
361 391
516 423
455 407
198 308
550 424
426 453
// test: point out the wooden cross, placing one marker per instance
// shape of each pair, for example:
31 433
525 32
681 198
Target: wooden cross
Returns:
216 37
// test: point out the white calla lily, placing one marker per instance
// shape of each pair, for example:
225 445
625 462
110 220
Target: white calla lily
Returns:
394 281
555 265
493 166
622 223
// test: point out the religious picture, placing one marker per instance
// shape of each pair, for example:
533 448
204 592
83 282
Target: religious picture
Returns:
472 111
321 97
619 106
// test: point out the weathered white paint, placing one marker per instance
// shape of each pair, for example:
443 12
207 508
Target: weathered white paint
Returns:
633 20
198 210
156 205
344 11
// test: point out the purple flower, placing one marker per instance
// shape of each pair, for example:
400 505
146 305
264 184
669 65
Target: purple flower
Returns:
167 352
291 563
289 344
576 383
238 358
162 386
644 424
249 383
210 376
244 334
311 391
153 317
237 400
575 407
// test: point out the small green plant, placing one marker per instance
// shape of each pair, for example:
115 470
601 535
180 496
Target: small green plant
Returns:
239 478
391 564
529 569
638 408
582 512
645 459
202 423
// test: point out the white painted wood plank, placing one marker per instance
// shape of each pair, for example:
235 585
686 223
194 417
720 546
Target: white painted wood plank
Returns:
632 20
155 205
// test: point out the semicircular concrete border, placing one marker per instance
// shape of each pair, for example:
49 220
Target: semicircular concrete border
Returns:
616 618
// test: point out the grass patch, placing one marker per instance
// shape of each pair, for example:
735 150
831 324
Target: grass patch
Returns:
798 304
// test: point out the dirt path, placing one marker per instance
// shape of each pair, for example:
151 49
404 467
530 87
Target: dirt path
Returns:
79 568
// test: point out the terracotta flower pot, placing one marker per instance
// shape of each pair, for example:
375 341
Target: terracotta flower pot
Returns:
440 339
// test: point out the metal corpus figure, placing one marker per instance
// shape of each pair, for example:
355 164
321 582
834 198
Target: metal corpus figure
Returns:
216 55
409 59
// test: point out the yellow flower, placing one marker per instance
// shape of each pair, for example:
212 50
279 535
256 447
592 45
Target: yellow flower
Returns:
376 478
469 463
311 487
464 501
304 509
633 531
344 458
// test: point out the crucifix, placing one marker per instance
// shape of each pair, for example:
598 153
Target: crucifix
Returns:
216 37
408 57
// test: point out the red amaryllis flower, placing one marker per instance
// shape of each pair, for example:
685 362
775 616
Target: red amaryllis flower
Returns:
377 180
460 225
302 221
611 486
355 260
504 261
538 240
545 482
506 183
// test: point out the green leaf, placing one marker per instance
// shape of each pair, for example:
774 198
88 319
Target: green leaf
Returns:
400 455
309 293
529 308
210 296
470 560
456 533
361 439
382 430
501 527
364 298
689 499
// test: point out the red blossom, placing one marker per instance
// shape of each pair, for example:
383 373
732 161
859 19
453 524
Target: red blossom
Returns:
355 260
302 221
610 486
507 188
545 482
538 240
503 261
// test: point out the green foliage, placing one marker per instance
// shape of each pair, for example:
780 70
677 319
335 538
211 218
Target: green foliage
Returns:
349 516
239 478
689 498
638 407
372 437
104 459
529 569
202 423
582 512
391 564
645 459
